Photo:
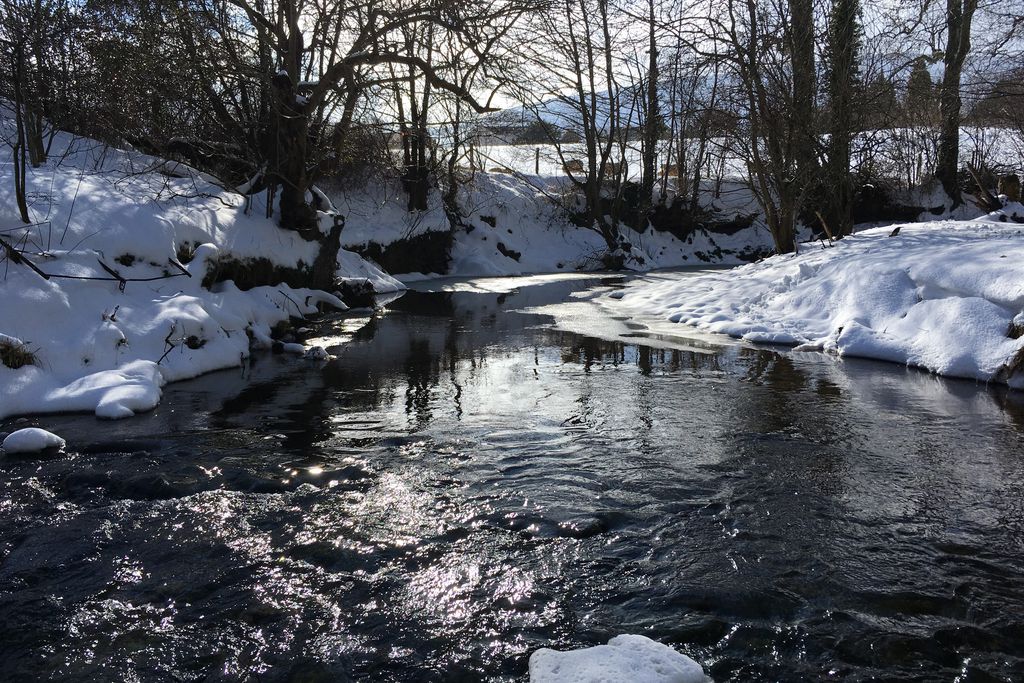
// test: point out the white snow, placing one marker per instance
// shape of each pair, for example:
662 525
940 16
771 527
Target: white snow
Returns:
632 658
939 296
31 440
355 267
316 353
535 235
513 226
885 149
100 349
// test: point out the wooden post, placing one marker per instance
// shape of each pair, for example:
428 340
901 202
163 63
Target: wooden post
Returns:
536 161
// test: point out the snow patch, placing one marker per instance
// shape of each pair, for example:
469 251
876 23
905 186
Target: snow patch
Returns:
632 658
32 440
512 226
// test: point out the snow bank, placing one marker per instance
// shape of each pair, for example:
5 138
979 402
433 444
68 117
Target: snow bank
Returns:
636 659
515 229
512 226
94 345
939 296
32 440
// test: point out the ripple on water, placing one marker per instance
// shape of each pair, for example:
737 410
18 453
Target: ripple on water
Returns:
465 484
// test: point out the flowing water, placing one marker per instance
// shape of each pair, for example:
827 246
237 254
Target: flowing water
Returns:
469 481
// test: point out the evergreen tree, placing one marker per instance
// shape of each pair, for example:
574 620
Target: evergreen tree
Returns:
920 104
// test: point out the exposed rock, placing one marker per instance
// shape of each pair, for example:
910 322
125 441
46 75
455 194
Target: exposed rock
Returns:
427 252
510 253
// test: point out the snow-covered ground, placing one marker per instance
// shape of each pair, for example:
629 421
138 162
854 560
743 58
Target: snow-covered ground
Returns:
515 225
69 343
528 224
945 296
91 345
73 344
887 151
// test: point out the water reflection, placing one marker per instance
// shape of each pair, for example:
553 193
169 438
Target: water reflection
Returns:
467 481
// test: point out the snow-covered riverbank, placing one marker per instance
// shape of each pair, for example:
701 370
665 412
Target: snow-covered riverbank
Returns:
104 299
77 339
946 296
514 225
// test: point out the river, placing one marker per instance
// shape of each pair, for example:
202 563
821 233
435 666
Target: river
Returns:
472 478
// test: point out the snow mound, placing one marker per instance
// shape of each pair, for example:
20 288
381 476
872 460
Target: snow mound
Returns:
32 440
1011 211
940 296
354 267
632 658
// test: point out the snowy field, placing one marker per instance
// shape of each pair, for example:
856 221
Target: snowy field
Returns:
73 344
945 296
885 150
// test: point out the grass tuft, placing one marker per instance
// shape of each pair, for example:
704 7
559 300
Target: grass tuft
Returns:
15 354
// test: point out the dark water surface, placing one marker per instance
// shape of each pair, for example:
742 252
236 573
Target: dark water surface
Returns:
466 483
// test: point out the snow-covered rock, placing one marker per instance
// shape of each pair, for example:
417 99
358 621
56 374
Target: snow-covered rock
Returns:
352 266
939 296
316 353
626 658
32 440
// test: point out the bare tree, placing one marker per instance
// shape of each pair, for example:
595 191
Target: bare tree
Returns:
285 76
652 123
487 62
577 92
30 36
761 44
800 40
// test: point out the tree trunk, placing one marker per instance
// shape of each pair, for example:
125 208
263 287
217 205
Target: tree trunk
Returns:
959 14
290 161
652 126
843 48
325 268
416 179
34 125
19 151
784 232
803 124
290 156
